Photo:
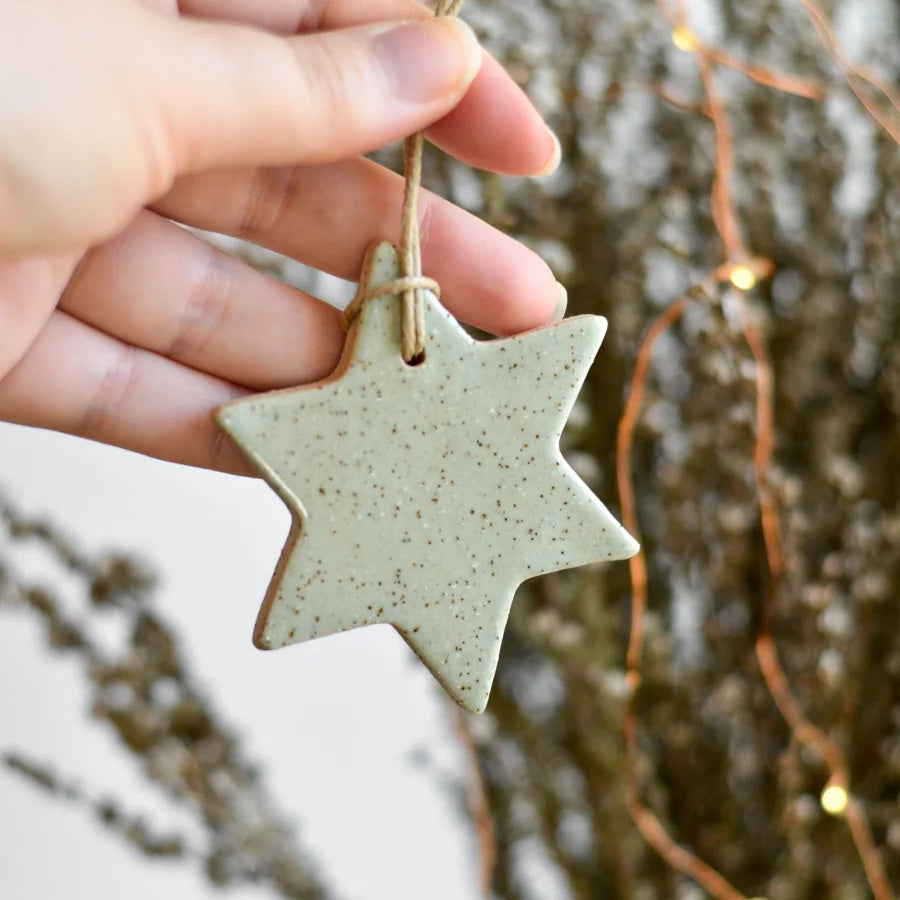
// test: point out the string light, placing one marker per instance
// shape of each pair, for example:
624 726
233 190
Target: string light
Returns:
742 277
834 799
683 38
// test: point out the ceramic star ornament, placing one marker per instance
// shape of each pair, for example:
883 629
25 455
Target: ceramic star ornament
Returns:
423 495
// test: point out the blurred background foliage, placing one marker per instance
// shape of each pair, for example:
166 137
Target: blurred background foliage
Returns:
698 146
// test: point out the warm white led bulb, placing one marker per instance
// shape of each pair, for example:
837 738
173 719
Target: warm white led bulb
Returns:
683 38
834 799
742 277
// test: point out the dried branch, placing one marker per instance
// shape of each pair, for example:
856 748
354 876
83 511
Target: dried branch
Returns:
479 806
130 827
147 695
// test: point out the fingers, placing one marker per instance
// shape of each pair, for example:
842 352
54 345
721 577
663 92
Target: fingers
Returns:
29 289
495 127
297 16
232 95
328 215
478 131
161 288
77 380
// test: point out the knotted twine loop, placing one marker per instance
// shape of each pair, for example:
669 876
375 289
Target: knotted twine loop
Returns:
411 283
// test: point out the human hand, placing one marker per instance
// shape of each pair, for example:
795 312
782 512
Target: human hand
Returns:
248 119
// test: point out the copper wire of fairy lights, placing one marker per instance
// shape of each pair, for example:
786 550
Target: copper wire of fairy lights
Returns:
743 270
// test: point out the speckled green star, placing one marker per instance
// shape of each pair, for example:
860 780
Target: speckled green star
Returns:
422 496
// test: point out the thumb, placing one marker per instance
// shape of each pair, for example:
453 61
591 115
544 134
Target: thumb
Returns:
231 95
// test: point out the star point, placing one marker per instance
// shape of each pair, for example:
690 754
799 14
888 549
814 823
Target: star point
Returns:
422 496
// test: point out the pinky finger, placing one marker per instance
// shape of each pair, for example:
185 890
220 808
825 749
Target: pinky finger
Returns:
79 380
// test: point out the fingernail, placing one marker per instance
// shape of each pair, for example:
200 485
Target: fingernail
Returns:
428 60
553 162
562 301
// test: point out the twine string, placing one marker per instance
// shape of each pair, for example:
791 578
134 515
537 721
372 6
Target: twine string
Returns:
411 283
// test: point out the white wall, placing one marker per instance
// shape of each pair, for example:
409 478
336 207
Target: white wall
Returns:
334 722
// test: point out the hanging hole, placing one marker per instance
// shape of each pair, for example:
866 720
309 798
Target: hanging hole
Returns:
417 360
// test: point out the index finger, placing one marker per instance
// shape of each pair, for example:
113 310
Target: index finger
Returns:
477 131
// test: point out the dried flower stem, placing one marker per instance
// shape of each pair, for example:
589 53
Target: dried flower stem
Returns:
479 807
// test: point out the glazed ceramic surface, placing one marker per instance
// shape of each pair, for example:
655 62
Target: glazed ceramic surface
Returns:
422 496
